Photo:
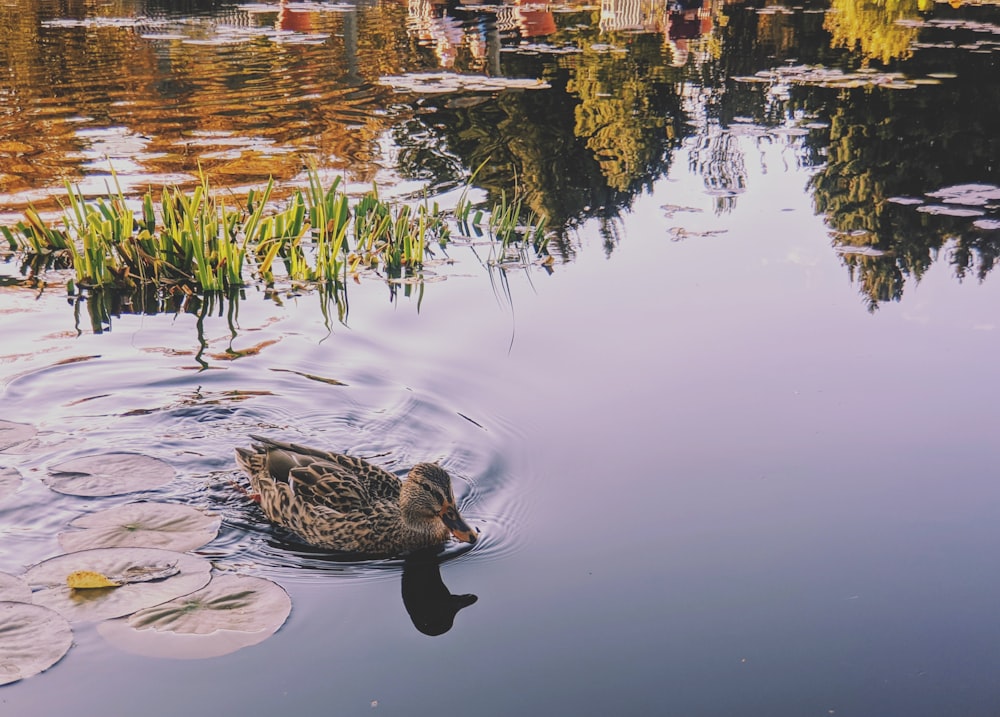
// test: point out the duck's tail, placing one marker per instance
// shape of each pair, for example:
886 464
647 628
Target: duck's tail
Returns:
252 460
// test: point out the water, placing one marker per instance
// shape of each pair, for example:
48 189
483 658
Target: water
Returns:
730 455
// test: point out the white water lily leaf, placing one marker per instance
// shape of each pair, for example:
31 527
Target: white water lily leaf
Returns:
170 526
228 614
32 639
13 433
151 576
109 474
14 589
10 481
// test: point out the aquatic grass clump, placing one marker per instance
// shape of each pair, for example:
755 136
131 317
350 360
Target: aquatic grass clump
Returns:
504 227
200 237
395 237
189 239
35 237
195 241
505 223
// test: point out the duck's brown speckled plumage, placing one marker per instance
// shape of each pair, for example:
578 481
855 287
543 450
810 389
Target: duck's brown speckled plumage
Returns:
343 503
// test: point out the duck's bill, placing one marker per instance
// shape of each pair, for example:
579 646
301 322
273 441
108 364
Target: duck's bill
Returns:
457 525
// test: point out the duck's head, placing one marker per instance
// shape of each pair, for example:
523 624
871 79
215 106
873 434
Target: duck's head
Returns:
427 498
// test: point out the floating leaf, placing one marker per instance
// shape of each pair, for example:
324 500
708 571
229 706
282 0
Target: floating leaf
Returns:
10 481
109 474
13 433
89 580
151 576
32 639
228 614
170 526
14 589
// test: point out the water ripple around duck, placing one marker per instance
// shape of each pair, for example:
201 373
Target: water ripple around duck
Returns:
91 403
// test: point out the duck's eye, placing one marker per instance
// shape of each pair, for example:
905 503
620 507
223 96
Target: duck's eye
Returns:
434 494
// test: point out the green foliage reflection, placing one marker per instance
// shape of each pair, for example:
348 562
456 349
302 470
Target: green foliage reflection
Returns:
873 27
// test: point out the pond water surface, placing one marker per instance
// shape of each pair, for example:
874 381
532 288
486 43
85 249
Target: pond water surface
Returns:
733 451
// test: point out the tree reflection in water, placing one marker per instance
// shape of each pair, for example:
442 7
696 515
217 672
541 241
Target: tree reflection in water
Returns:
247 91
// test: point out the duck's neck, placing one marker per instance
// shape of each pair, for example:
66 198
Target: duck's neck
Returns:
426 531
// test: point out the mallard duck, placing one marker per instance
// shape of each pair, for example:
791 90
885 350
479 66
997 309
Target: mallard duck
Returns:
336 501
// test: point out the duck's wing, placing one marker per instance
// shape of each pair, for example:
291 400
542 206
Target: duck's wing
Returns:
282 458
379 483
330 485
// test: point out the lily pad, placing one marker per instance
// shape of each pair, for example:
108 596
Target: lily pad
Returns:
109 474
151 576
170 526
10 481
33 639
228 614
13 589
13 433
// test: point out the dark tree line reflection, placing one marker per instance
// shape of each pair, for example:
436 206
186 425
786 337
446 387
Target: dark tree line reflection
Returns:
609 127
886 149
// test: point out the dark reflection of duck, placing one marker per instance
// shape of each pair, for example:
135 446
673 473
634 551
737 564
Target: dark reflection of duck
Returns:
334 501
430 604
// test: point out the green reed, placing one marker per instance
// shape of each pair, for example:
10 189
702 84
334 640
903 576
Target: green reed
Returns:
329 217
464 208
505 222
195 240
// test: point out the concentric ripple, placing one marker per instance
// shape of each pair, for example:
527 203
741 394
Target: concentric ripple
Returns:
85 403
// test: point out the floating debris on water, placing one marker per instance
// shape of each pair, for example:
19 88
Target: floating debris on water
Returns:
442 82
946 210
669 210
831 77
859 250
680 233
976 195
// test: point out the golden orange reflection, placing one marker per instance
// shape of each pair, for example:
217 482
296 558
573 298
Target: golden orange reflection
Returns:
246 102
89 85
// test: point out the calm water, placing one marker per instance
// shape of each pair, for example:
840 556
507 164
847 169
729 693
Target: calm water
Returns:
734 452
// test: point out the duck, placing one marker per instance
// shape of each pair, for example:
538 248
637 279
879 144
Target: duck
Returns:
346 504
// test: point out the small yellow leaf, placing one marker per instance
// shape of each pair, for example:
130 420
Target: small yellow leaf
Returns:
87 579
